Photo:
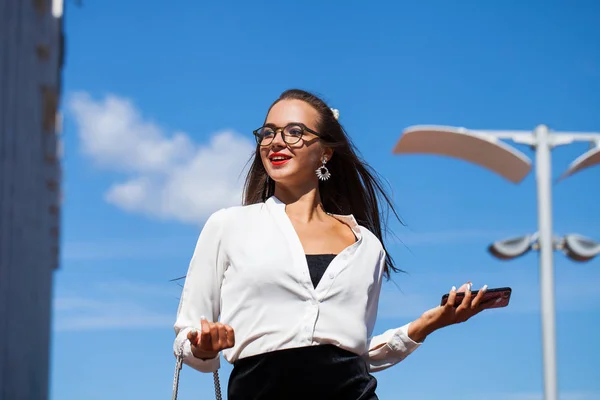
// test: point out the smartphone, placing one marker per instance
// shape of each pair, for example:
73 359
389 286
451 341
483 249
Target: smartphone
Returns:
492 298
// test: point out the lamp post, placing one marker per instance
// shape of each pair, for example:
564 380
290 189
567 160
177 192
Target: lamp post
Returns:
486 148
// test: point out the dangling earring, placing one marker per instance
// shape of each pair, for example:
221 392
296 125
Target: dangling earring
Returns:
322 172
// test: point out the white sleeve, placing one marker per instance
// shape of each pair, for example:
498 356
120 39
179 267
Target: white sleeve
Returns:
389 348
394 345
201 294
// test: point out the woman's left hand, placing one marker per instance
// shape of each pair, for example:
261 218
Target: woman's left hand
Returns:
448 314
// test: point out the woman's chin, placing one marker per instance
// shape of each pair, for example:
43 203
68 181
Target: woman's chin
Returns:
294 182
281 174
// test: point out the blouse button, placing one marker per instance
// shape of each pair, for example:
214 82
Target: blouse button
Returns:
331 275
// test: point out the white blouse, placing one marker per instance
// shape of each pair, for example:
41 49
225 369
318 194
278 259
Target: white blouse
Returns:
249 269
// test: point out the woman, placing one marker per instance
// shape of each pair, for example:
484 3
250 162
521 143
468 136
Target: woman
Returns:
287 285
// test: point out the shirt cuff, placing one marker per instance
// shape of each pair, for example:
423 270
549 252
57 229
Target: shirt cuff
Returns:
209 365
390 348
400 341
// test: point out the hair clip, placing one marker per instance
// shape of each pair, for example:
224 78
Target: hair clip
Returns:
336 113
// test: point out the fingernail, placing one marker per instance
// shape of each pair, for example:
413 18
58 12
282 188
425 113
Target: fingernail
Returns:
453 289
202 318
469 286
484 288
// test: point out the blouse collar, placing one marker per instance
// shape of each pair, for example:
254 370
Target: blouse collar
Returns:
347 219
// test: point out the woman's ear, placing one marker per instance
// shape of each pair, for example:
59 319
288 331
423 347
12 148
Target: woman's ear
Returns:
328 153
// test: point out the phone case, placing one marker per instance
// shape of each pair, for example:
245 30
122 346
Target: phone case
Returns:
493 298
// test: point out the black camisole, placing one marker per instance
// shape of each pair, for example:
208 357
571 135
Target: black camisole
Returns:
317 264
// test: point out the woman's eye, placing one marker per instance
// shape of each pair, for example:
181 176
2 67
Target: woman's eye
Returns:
295 131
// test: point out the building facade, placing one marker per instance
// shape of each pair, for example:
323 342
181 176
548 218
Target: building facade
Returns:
31 59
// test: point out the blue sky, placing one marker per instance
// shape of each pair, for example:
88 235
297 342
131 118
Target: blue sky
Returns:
159 104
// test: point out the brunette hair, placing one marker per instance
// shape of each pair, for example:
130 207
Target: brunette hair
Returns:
354 187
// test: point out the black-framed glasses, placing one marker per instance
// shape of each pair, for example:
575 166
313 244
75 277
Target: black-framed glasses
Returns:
291 133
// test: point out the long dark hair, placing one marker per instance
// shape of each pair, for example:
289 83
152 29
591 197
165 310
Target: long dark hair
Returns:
354 187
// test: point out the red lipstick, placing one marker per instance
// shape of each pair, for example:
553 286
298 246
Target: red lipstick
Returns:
278 159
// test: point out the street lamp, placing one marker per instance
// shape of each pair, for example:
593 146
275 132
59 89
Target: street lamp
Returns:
579 248
512 248
486 148
576 247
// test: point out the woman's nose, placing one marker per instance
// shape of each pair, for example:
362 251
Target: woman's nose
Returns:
278 139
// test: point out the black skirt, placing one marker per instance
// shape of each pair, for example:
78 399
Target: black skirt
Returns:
314 372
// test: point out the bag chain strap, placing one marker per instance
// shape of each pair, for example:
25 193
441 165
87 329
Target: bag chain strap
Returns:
179 365
217 385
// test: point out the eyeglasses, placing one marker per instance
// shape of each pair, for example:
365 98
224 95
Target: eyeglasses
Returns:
291 133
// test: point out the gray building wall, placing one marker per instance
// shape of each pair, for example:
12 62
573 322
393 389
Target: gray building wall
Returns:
30 85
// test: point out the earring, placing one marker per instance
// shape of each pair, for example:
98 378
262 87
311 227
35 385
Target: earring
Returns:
322 172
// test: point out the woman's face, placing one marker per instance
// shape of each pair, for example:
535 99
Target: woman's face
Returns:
293 164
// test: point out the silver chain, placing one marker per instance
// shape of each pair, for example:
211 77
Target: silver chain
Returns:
179 365
217 385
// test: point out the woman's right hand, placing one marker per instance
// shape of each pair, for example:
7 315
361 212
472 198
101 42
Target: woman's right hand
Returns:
213 338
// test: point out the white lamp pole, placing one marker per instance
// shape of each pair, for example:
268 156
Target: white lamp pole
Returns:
543 172
486 149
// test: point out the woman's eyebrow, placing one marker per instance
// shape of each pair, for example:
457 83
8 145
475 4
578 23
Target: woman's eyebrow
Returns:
272 125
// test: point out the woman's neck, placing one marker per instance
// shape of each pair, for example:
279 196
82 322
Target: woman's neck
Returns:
303 206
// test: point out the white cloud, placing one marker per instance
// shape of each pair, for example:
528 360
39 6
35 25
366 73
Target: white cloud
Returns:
167 176
396 304
128 248
80 313
458 236
564 395
117 305
574 290
570 395
116 316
